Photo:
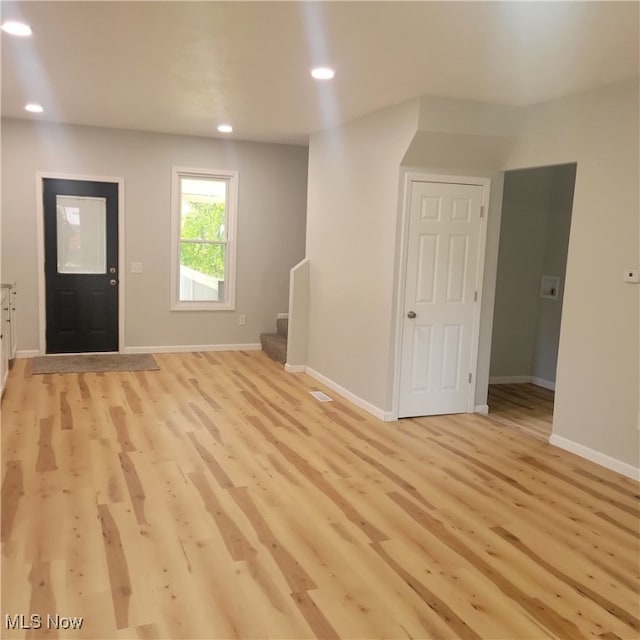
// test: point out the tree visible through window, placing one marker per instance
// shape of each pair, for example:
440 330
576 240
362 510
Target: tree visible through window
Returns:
205 217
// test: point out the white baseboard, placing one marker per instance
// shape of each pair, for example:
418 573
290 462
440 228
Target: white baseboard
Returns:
27 353
540 382
595 456
182 348
282 316
385 416
509 379
294 368
189 348
545 384
481 408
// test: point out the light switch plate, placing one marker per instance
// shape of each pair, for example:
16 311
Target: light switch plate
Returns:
632 275
136 267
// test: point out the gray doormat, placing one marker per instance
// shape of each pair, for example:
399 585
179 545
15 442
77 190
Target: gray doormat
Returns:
89 363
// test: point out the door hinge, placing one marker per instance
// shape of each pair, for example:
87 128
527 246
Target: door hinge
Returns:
482 211
475 296
470 377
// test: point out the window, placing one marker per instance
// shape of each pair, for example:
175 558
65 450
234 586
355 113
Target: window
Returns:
81 232
203 252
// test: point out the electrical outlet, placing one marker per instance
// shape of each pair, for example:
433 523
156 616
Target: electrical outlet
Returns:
242 320
136 267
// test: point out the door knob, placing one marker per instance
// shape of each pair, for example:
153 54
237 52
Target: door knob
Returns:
411 314
113 283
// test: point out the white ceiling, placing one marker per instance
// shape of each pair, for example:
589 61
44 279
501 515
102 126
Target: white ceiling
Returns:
184 67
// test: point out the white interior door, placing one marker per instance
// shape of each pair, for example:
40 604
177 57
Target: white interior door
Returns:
437 356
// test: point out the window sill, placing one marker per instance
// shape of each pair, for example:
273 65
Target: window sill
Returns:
202 306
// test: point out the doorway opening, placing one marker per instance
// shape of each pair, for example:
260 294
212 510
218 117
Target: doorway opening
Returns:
80 253
532 261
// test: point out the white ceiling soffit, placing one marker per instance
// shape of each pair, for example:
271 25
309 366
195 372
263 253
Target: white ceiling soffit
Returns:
185 67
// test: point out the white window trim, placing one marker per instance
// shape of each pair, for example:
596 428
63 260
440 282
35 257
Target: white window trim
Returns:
232 219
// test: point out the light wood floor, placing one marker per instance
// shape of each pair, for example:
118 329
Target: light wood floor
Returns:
217 499
524 406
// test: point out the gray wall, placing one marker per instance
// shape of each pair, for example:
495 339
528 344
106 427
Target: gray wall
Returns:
597 382
271 224
352 208
534 237
554 263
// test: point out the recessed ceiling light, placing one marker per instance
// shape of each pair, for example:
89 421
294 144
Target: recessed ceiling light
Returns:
34 108
16 28
225 128
323 73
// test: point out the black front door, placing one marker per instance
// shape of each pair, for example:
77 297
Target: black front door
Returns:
81 265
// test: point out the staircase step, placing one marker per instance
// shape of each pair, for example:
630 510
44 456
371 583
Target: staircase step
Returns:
275 346
282 325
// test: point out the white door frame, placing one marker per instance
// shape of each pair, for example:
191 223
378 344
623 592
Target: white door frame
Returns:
42 318
409 179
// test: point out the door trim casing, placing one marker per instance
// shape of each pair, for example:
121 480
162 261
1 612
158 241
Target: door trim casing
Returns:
409 178
42 320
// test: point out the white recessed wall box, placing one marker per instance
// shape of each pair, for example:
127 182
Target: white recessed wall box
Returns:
549 287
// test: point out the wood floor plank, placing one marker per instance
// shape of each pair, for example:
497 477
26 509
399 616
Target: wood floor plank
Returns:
549 617
298 579
43 598
525 406
248 601
14 583
117 564
627 617
12 493
215 498
237 544
86 571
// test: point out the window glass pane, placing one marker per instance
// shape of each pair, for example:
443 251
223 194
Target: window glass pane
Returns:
203 243
82 242
202 271
203 209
